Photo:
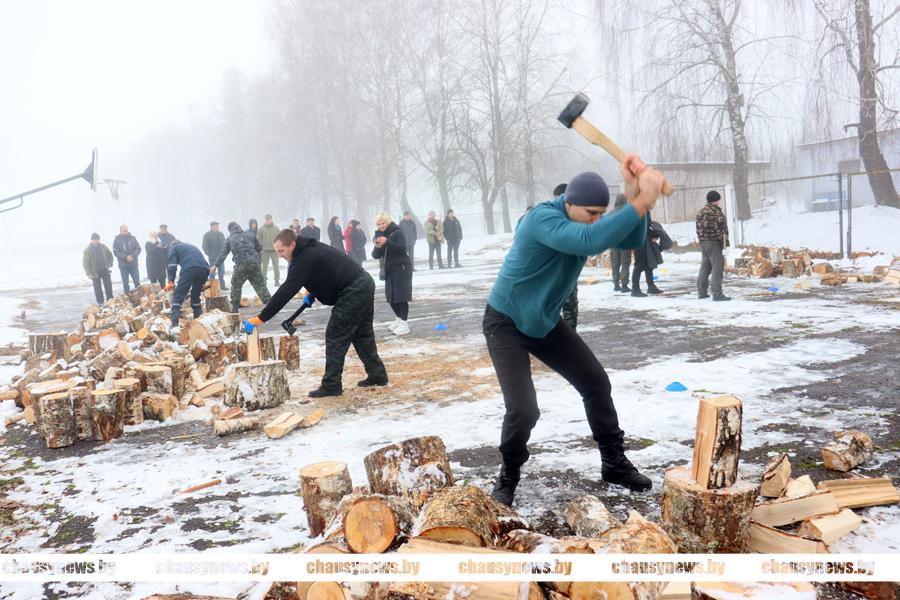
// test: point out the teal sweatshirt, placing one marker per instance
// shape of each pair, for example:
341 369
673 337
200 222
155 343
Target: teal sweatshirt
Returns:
546 258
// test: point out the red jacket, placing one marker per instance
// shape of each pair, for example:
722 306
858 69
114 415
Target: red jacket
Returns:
348 245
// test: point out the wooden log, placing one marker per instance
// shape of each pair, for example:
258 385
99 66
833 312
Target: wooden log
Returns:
57 420
256 386
873 590
532 542
482 590
799 487
776 476
156 379
195 381
322 486
762 268
589 517
347 590
508 520
221 303
830 528
792 268
158 407
461 515
326 548
722 590
848 450
49 343
254 353
230 426
374 524
706 521
219 355
267 348
134 408
179 375
768 540
80 396
717 444
289 351
282 425
37 390
861 492
785 511
235 412
312 418
413 468
191 399
107 414
9 394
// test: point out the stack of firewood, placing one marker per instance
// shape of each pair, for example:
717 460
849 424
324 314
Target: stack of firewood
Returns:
762 262
123 363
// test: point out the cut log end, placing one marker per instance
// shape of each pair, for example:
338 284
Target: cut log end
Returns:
370 526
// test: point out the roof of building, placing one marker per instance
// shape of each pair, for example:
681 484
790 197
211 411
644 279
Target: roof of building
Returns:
844 139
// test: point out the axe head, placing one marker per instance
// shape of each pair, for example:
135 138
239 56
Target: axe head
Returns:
573 110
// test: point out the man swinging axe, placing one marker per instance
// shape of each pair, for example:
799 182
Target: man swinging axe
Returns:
332 278
522 315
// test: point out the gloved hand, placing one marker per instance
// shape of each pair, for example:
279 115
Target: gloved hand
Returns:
252 323
308 299
169 286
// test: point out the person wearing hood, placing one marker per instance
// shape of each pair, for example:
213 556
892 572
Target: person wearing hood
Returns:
156 259
335 236
333 279
522 319
126 248
245 249
194 273
390 245
253 226
620 259
358 241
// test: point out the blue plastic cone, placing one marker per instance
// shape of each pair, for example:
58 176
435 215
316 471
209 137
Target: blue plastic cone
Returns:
676 386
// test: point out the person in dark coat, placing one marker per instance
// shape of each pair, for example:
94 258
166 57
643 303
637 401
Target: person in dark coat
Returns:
156 259
391 246
165 238
646 259
126 249
620 259
335 235
253 227
213 242
194 272
334 280
358 241
311 231
410 234
97 261
295 226
245 251
453 235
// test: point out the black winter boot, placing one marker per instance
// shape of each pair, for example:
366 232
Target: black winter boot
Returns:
652 289
625 289
637 293
322 392
616 287
505 486
369 381
618 470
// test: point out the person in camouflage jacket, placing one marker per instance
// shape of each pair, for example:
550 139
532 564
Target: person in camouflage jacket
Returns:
245 250
712 232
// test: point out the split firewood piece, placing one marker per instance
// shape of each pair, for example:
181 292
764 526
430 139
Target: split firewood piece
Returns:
706 521
462 515
675 590
57 420
80 396
830 528
254 353
192 399
267 348
768 540
194 378
873 590
179 375
158 407
125 351
322 486
861 492
235 412
508 520
848 450
107 414
482 590
799 487
374 524
239 425
20 416
413 468
721 590
282 425
289 351
785 511
717 444
9 394
532 542
156 379
312 418
202 486
108 338
212 387
22 383
134 407
52 343
776 476
256 386
589 517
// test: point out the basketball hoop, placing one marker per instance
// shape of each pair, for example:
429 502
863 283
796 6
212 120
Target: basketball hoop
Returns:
113 187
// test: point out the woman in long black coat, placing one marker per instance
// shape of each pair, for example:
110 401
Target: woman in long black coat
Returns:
357 244
335 235
646 259
390 245
156 258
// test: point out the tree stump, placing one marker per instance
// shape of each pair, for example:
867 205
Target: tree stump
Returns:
267 348
57 420
256 386
717 444
705 521
462 515
36 391
848 450
322 486
723 590
158 407
155 379
221 303
589 517
81 410
413 468
289 351
49 343
107 414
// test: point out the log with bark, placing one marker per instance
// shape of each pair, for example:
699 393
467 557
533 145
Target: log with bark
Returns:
134 408
54 344
267 348
589 517
155 379
322 486
461 515
705 521
230 426
80 396
219 355
848 450
531 542
375 523
107 414
220 303
776 476
722 590
179 372
256 386
57 424
289 351
158 407
717 444
413 468
873 590
769 540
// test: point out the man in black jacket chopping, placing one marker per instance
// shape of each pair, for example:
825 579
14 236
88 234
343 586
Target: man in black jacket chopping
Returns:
333 279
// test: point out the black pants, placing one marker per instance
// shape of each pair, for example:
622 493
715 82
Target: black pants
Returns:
351 323
563 351
452 251
411 250
130 269
191 280
432 248
106 280
636 277
401 309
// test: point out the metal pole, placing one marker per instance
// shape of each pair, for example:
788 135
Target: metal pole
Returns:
42 188
841 212
849 215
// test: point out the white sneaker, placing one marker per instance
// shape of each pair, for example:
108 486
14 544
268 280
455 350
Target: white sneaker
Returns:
394 323
402 328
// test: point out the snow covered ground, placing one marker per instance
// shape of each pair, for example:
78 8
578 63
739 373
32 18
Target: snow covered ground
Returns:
777 351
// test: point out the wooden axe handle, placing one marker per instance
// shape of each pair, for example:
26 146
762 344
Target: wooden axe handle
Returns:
598 138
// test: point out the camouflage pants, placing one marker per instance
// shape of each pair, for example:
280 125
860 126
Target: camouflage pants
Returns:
620 261
351 323
241 273
570 309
